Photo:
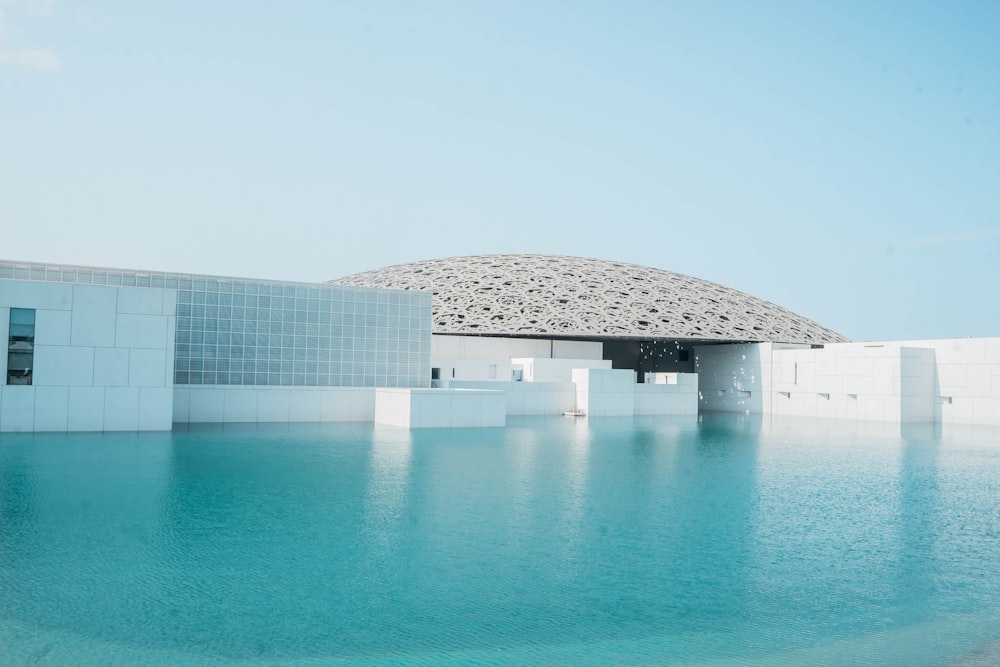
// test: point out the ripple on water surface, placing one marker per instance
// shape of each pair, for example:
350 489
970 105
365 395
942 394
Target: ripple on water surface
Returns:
719 540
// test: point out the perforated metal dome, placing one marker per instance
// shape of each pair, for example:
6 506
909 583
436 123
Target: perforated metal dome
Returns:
573 297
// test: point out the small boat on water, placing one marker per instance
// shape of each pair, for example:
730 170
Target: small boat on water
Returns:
575 412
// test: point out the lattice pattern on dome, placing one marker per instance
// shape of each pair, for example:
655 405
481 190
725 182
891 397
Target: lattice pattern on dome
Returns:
545 295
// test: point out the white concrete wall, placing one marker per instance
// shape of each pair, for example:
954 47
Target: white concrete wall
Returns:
950 381
605 392
967 382
439 408
103 358
460 368
225 403
556 370
529 398
861 381
668 394
490 358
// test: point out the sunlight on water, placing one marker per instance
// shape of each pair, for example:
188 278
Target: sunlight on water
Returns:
719 540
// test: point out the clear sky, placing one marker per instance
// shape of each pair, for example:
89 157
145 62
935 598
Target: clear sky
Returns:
841 159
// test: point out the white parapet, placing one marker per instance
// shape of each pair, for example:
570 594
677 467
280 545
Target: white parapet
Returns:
219 403
528 398
605 392
439 408
667 394
555 370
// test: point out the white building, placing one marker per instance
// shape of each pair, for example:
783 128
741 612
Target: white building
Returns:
455 342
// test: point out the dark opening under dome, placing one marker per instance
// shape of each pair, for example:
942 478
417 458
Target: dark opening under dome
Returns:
574 297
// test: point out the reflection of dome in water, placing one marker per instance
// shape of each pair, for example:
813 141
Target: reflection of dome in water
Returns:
573 297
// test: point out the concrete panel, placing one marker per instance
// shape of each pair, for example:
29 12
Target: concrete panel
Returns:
240 405
168 370
17 408
182 404
304 405
273 405
392 407
169 302
51 408
207 404
111 367
140 300
363 405
121 409
86 409
148 331
64 365
147 368
38 295
52 327
335 406
5 321
155 408
94 315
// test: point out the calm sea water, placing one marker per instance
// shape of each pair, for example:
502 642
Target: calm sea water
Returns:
719 540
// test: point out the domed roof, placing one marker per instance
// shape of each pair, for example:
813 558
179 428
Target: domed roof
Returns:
573 297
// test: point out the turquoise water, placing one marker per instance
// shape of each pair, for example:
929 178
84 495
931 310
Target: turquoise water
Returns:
719 540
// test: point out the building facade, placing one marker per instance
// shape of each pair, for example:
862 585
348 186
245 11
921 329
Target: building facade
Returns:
107 349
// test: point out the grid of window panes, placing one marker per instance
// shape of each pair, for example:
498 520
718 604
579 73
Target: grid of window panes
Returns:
255 332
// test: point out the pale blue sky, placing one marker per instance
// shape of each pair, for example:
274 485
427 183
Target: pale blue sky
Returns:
841 159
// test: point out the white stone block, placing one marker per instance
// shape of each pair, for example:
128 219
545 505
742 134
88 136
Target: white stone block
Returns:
182 404
980 380
155 408
991 350
94 315
140 300
494 414
17 408
335 405
168 370
304 405
953 379
52 327
363 405
86 409
885 378
392 407
121 409
169 302
111 367
147 368
960 410
240 405
38 295
983 411
207 404
51 408
273 405
64 365
148 331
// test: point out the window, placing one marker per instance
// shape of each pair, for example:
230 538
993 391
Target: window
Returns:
683 355
435 373
21 346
